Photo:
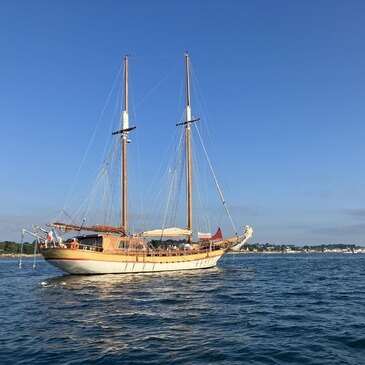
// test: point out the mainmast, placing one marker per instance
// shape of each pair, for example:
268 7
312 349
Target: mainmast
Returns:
125 127
188 148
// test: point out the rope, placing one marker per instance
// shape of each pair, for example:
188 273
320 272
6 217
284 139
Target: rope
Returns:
167 205
157 86
92 138
216 181
35 249
21 250
200 193
139 169
205 115
151 206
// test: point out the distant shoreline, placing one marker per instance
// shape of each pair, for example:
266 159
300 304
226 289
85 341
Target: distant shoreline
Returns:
286 253
17 256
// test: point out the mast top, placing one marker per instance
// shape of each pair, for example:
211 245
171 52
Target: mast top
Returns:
187 75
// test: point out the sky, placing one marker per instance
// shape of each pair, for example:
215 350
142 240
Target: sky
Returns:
283 83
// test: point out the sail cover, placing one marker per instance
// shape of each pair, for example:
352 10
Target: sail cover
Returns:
167 232
96 228
204 236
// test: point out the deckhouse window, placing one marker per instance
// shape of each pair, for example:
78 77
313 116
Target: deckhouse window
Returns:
91 241
123 245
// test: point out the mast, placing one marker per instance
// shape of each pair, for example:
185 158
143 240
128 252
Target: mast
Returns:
125 127
188 148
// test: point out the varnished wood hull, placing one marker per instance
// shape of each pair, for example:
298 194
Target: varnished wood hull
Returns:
83 262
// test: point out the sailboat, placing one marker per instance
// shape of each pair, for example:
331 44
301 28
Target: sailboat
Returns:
112 250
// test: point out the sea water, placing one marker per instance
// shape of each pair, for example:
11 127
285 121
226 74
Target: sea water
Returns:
250 309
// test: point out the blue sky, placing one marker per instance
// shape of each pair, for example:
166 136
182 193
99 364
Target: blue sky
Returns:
283 82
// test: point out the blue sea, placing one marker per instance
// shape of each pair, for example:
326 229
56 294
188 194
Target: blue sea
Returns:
250 309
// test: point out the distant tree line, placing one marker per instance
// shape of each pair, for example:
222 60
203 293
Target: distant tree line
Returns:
269 247
11 247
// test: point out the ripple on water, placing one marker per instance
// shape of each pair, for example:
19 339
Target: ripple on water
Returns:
256 309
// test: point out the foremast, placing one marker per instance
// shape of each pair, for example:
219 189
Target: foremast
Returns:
125 129
124 140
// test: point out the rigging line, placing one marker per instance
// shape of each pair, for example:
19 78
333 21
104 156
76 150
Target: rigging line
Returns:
165 185
154 204
207 121
139 174
21 250
200 212
157 86
179 160
203 105
215 180
67 215
93 135
114 120
162 160
105 200
180 175
162 187
201 192
94 185
109 213
151 57
78 209
83 189
168 201
214 213
176 183
204 110
177 141
171 174
113 180
220 218
206 201
179 108
90 199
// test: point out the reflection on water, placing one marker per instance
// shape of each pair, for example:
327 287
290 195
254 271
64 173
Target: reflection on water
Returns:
115 279
130 311
137 286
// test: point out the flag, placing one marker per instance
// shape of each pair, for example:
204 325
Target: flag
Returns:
218 235
49 237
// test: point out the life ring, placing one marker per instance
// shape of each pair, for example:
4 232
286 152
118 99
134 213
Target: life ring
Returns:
74 245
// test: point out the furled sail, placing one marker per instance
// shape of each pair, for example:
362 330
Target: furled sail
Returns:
95 228
167 232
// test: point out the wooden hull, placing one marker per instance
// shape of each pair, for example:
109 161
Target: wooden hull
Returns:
83 262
